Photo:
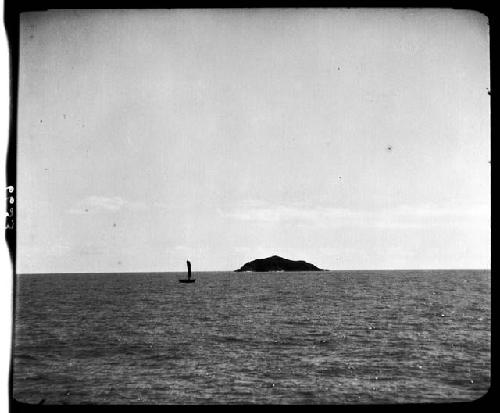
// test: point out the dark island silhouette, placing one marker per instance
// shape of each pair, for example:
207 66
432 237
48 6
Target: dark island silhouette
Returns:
276 263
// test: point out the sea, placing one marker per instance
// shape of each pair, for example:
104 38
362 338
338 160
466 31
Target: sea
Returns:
333 337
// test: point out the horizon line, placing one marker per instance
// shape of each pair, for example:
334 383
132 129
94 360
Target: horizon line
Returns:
208 271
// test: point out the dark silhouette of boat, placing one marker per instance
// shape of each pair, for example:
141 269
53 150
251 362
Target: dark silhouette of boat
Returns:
188 279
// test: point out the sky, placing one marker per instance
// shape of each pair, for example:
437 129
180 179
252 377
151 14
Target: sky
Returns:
352 139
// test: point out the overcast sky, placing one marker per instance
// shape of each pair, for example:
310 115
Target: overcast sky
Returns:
352 139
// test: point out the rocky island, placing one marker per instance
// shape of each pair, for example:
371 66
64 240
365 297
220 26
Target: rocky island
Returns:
276 263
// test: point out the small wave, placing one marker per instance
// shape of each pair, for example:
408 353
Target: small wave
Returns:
24 357
306 396
298 322
237 339
166 357
234 339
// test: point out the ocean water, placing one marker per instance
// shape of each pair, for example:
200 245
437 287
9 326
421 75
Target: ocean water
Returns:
346 337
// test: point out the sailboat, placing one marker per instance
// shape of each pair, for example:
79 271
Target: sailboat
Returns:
188 279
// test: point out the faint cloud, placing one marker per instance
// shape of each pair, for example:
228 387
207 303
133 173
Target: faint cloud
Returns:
95 204
418 216
90 249
58 250
47 250
259 211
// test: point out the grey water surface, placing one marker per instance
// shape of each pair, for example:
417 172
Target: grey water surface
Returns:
329 337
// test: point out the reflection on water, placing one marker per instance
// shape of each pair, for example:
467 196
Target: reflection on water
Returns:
332 337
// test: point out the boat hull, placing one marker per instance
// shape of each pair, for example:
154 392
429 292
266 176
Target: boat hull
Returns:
187 281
